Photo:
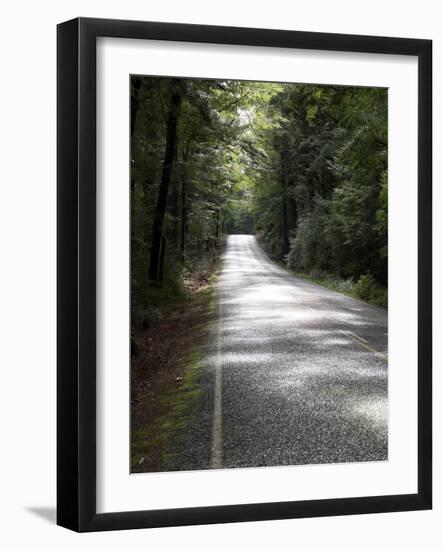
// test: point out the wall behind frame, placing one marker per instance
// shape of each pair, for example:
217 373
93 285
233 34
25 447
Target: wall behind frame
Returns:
27 230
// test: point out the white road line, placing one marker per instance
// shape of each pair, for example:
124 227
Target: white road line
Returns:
362 340
217 446
356 338
364 344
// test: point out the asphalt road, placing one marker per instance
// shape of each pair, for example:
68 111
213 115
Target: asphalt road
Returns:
294 373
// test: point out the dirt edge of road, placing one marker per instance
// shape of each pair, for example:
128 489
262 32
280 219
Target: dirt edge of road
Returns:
165 383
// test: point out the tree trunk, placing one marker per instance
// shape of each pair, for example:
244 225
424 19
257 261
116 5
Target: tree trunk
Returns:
173 208
157 226
162 260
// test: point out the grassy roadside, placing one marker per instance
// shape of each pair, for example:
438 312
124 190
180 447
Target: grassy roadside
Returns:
365 289
165 377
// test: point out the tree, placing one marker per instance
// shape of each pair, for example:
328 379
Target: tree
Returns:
170 147
302 166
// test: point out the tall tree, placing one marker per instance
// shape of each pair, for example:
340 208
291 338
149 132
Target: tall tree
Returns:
170 148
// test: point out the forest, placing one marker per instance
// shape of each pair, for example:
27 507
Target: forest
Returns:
303 167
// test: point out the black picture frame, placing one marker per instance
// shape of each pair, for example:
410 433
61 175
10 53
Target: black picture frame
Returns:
76 265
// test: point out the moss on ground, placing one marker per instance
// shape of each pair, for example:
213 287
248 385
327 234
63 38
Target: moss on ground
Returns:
178 402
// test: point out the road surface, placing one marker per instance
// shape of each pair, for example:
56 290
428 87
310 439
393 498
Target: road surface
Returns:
294 373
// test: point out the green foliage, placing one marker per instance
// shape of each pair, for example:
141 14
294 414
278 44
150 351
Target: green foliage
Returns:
382 216
304 166
238 214
331 145
364 289
310 249
367 289
365 286
205 168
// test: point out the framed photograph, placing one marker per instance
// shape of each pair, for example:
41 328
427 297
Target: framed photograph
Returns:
244 274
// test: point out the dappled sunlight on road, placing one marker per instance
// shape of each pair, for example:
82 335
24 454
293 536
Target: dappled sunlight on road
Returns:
374 411
304 375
